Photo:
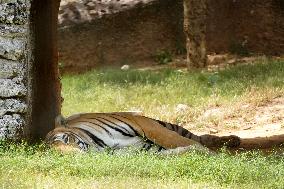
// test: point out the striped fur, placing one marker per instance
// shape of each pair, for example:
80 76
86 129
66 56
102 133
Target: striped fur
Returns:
100 131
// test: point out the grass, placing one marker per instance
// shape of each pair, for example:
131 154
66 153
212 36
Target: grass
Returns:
38 167
157 94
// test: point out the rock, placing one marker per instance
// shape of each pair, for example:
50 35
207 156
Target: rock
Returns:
82 11
14 12
181 108
12 106
217 59
216 112
11 126
10 69
12 49
10 88
125 67
213 131
13 31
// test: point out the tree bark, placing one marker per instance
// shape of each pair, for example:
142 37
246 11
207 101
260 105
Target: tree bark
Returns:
194 29
44 91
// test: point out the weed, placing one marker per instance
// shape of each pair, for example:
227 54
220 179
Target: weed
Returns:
163 57
239 48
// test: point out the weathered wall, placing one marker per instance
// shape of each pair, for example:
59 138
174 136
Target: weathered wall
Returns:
80 11
29 82
135 35
128 37
241 26
13 66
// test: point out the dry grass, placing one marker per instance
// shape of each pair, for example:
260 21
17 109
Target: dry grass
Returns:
224 99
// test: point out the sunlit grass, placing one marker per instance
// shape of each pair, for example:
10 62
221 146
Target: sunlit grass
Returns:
158 93
38 167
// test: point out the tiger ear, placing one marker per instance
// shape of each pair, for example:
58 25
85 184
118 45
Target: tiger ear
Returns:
60 121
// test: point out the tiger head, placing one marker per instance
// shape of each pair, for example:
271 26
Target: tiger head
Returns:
66 139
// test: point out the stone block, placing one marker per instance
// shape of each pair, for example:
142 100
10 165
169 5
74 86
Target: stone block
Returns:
8 1
14 12
12 106
10 69
13 30
11 126
11 88
12 49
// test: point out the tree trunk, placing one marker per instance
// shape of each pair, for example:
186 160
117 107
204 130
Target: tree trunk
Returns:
45 89
194 29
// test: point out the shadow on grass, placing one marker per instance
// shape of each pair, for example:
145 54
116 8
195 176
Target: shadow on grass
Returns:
237 78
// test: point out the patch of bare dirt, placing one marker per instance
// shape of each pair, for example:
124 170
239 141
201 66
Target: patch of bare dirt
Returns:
248 120
258 125
258 122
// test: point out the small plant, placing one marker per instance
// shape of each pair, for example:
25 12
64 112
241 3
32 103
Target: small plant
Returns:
239 48
163 57
60 65
180 48
213 79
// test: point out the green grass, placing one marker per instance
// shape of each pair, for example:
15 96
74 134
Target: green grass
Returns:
38 167
156 93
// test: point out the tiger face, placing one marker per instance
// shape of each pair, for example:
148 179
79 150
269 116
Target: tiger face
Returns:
65 141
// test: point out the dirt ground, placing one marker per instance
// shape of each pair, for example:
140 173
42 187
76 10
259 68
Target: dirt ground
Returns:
259 123
262 118
252 120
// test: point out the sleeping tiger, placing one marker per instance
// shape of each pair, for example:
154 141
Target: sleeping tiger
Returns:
100 131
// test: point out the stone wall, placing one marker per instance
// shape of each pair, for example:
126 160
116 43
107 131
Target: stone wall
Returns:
135 35
246 26
73 12
14 28
29 80
132 36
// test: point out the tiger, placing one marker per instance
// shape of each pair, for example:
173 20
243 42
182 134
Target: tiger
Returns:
120 130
